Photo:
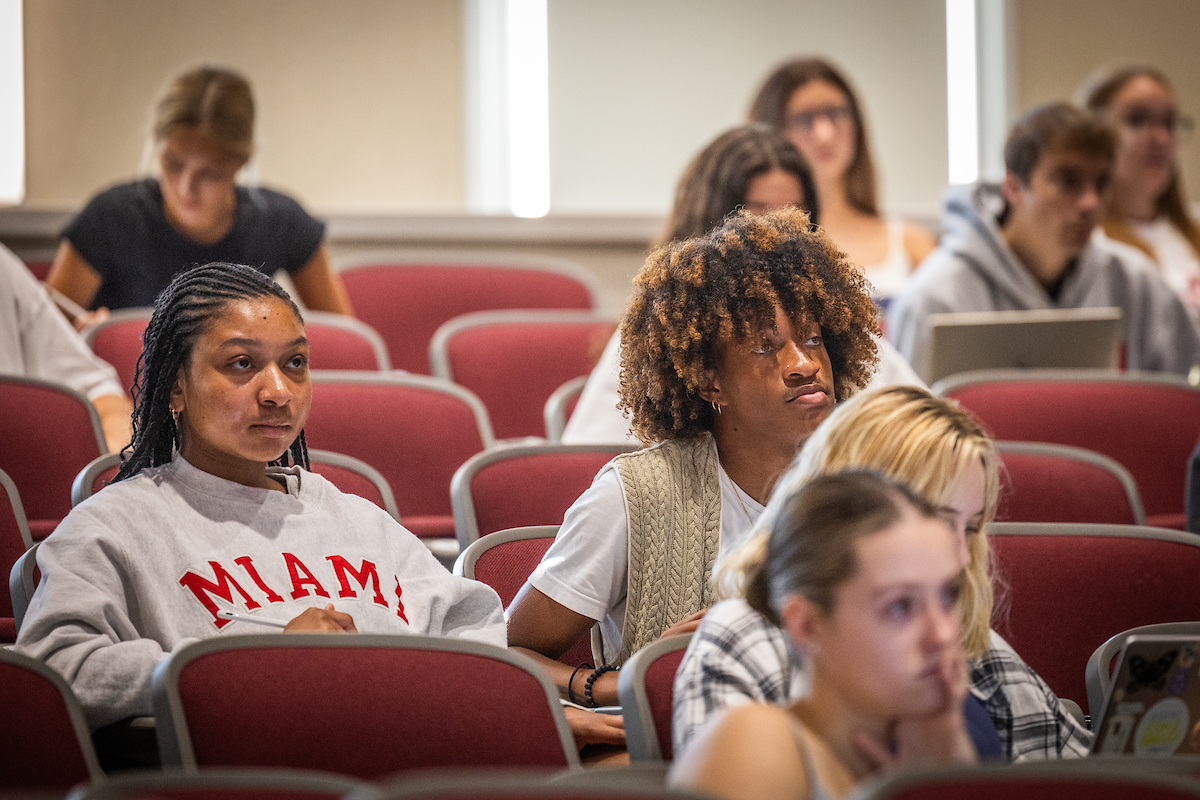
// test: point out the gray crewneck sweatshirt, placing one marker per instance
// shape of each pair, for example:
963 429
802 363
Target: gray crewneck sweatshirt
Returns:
975 270
143 566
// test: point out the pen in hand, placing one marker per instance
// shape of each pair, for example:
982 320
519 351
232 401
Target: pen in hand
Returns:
270 623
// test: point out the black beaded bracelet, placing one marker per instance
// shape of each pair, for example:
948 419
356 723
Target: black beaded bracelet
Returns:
588 700
570 691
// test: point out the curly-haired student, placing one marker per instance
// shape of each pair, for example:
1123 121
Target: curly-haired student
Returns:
736 345
206 515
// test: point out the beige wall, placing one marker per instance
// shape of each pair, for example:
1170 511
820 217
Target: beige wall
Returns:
360 102
637 88
1060 42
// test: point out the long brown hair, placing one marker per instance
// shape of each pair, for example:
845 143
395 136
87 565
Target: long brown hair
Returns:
717 180
1098 93
770 107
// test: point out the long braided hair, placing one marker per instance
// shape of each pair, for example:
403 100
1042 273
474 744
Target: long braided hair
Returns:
181 313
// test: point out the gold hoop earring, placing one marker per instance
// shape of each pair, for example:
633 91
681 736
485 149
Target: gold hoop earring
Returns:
175 416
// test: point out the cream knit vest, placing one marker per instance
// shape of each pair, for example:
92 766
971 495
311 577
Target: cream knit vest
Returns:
673 498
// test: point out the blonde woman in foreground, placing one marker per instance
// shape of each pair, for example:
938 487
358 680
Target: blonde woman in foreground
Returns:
737 656
864 577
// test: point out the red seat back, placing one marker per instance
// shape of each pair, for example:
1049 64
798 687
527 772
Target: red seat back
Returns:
365 706
1148 425
647 691
337 342
49 434
416 431
1071 587
40 269
119 341
1050 483
514 360
512 487
408 302
44 741
504 562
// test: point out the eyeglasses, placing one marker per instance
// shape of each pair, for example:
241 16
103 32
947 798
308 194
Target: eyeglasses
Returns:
1142 119
805 121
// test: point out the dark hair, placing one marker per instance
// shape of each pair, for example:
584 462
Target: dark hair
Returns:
1055 126
811 549
182 312
717 180
215 100
693 294
770 107
1097 95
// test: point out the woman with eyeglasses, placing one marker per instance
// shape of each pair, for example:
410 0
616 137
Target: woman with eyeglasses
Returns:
1146 206
812 102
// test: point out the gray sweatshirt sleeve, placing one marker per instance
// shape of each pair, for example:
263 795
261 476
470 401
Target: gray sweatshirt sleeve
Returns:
79 625
50 348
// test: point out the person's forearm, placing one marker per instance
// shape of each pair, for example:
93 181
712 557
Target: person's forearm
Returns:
116 419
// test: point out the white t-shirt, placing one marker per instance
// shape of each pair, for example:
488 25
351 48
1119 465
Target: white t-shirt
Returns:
1177 262
597 420
587 567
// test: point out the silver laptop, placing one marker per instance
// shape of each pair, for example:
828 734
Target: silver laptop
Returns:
1087 338
1153 704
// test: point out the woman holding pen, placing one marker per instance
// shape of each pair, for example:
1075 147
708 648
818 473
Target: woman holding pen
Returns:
215 515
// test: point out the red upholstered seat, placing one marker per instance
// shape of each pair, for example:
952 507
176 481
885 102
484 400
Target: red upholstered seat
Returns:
40 269
1056 483
415 430
407 297
14 541
218 783
1148 423
1068 588
49 434
118 340
335 342
647 690
44 741
1064 780
514 360
340 342
519 485
367 705
504 560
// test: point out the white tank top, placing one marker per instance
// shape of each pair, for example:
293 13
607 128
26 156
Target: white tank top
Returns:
888 275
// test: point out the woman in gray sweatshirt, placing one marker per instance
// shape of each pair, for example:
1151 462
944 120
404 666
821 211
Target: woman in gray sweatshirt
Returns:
214 510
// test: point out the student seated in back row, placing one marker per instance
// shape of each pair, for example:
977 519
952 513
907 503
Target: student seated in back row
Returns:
1031 243
132 239
735 346
207 515
752 167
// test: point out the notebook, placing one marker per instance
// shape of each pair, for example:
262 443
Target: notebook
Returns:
1153 704
1087 338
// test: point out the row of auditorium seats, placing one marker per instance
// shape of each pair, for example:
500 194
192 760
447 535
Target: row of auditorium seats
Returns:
513 360
428 443
259 700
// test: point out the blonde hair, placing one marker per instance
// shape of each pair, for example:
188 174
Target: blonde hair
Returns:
216 101
907 434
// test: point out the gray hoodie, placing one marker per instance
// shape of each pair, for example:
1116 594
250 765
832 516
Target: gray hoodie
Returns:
974 270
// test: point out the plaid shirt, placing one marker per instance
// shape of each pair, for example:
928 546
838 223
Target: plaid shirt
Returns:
737 657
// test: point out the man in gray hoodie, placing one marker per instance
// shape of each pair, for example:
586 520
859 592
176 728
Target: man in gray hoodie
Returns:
1031 243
